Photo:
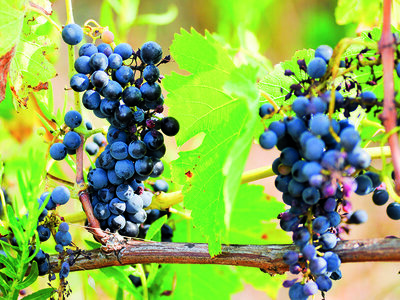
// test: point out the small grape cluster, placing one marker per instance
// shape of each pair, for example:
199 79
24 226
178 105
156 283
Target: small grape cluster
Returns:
320 167
122 86
59 196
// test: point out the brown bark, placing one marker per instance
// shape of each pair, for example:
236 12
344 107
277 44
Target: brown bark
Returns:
266 257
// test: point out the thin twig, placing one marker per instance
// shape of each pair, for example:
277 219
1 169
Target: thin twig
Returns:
389 115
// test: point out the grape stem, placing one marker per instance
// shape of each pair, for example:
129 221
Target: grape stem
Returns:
389 114
266 257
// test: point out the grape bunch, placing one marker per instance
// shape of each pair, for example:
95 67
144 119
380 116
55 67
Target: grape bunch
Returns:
321 165
122 86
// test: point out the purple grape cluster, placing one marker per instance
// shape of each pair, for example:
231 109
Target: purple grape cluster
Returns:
122 86
321 165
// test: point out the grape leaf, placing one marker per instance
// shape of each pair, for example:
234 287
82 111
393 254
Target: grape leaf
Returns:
31 69
260 212
217 100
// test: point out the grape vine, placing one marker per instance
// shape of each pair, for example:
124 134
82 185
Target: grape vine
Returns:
316 110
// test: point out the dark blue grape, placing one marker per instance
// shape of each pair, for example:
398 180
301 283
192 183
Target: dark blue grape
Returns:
161 186
151 73
169 126
115 61
101 211
99 79
91 99
92 148
88 49
116 206
299 106
72 140
116 222
376 181
266 109
63 238
328 241
139 217
63 227
137 149
310 288
150 92
119 150
123 114
311 195
64 272
43 268
309 252
316 68
324 51
98 61
282 183
112 90
368 96
324 283
82 65
289 156
60 195
132 96
319 124
291 257
268 139
100 139
124 192
364 185
124 50
320 224
144 166
393 211
44 233
349 139
318 266
301 236
72 34
296 188
73 119
334 218
278 127
40 257
79 82
296 292
58 151
124 75
153 140
124 169
105 48
147 198
106 194
97 178
134 204
130 229
380 197
333 261
330 205
158 167
150 53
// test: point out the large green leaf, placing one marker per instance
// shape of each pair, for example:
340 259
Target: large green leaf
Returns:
254 218
216 100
